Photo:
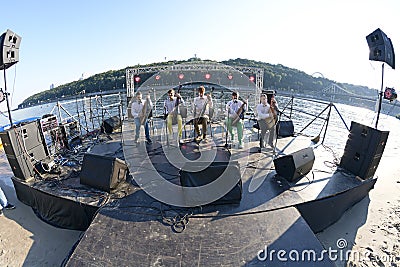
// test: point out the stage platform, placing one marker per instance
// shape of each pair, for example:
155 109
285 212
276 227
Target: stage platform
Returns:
273 214
60 199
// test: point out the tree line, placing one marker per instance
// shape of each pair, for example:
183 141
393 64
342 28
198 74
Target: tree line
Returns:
277 77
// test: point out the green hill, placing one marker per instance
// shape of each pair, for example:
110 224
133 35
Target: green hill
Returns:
277 77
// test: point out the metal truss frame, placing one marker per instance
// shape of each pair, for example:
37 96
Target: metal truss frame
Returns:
194 66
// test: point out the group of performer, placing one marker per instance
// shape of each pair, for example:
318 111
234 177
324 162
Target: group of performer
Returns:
174 110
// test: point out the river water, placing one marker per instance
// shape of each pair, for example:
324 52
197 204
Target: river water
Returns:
94 109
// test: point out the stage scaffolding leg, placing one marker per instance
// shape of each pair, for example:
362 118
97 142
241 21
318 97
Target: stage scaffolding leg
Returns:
380 98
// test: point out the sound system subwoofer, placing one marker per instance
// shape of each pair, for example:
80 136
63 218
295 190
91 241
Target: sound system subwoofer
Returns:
102 172
363 150
23 165
295 165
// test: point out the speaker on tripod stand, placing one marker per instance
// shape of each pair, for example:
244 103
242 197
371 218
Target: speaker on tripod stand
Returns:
9 55
9 44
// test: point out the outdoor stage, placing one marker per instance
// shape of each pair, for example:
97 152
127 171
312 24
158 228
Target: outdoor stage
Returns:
273 213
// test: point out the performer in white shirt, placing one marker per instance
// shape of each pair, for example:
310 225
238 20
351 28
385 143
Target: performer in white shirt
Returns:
201 111
173 110
140 111
235 109
266 117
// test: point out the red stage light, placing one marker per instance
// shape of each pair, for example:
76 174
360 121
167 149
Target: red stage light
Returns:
137 79
251 78
158 77
230 77
181 76
207 76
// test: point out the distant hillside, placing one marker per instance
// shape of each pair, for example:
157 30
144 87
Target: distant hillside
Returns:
277 77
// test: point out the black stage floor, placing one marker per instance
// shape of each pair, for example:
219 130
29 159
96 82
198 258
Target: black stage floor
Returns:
273 216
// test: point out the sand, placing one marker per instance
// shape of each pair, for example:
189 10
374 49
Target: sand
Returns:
371 228
25 240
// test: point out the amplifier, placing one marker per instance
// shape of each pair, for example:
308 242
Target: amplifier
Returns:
48 122
70 134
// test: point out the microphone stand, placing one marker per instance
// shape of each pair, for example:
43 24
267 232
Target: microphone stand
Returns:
226 131
166 125
194 118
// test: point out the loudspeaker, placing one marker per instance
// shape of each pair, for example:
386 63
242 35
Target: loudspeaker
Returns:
111 124
380 47
102 172
211 172
22 138
23 146
285 128
363 150
9 45
295 165
22 165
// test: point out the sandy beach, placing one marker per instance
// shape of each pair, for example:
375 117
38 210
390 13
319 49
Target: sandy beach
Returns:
25 240
368 234
371 228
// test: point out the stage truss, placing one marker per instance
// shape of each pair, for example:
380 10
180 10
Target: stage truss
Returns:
218 79
232 72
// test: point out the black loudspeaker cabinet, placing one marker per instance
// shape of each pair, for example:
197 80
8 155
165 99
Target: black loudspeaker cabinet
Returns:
103 172
285 128
381 47
211 173
363 150
22 165
9 49
23 146
295 165
111 124
22 138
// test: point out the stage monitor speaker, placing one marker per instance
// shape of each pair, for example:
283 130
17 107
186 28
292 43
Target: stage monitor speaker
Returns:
22 165
9 48
111 124
285 128
363 150
380 47
102 172
212 172
295 165
18 140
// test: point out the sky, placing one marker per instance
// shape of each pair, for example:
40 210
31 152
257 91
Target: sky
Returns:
63 40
